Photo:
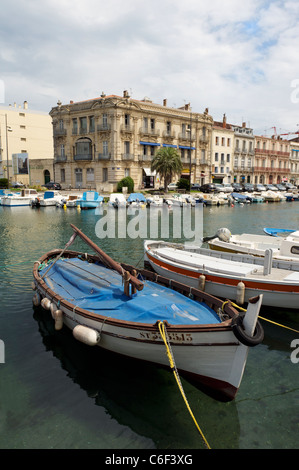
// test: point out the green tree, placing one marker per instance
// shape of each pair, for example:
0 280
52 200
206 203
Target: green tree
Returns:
126 182
167 163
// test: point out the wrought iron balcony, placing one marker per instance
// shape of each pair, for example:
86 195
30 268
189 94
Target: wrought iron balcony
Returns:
82 157
104 156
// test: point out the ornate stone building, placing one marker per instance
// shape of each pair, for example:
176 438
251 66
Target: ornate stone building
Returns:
100 141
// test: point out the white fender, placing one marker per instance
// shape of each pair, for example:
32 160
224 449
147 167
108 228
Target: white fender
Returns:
86 335
36 299
46 303
58 317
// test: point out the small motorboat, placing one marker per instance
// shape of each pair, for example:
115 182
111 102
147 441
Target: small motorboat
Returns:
136 200
90 200
233 279
275 232
23 198
49 198
283 247
154 201
117 200
68 201
130 311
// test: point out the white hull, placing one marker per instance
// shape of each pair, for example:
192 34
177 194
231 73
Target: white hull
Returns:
285 249
280 288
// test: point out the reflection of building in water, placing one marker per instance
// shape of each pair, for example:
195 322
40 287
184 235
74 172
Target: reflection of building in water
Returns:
30 139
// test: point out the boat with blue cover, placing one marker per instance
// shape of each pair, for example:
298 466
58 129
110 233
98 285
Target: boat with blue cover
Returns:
124 310
90 200
136 199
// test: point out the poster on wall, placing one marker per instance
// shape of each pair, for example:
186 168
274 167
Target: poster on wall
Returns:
20 163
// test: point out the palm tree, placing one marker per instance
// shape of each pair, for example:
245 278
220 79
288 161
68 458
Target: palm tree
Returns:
167 163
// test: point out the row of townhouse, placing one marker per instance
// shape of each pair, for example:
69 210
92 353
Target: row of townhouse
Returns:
95 143
100 141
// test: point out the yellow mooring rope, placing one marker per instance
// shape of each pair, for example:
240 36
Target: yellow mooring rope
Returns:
262 318
164 336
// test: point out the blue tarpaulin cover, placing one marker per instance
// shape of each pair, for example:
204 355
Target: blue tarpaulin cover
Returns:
95 288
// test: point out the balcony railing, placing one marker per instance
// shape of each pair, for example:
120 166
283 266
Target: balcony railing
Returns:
59 132
127 156
104 127
126 128
60 158
145 158
149 131
169 134
186 136
104 156
82 157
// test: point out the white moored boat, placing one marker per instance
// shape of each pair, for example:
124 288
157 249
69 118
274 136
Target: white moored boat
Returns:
283 247
127 311
225 278
24 198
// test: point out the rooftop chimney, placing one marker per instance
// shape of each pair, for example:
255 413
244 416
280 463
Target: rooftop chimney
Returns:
224 121
25 105
164 102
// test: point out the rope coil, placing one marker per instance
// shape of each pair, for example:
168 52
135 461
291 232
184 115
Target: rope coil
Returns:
164 335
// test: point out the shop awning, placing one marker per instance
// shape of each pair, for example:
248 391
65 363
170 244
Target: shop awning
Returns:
169 145
149 172
149 143
188 148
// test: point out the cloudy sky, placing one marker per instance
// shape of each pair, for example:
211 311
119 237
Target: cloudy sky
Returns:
234 57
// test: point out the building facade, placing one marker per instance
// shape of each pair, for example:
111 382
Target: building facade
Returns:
26 145
100 141
272 160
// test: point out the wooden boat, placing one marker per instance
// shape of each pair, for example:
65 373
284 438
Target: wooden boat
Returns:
90 200
24 198
125 311
235 280
283 248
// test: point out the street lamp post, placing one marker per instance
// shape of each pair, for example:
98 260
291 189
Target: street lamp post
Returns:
7 129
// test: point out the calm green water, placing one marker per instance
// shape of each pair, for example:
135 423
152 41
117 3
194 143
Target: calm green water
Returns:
57 393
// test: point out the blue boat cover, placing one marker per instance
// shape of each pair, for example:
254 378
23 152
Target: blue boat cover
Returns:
136 196
95 288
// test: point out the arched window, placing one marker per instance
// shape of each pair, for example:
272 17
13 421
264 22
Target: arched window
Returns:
47 176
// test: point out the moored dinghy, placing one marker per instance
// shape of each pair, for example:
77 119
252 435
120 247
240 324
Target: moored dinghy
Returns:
209 338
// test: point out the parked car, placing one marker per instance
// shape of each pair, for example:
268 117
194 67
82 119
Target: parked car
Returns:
271 187
227 188
289 186
208 188
280 187
237 188
52 185
195 187
260 187
16 184
172 187
220 187
248 187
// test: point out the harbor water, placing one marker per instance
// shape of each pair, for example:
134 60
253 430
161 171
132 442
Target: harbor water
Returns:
59 394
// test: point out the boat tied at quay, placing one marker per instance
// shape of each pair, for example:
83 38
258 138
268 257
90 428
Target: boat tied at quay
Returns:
122 309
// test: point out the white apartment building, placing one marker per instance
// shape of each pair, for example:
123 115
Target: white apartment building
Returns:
26 145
